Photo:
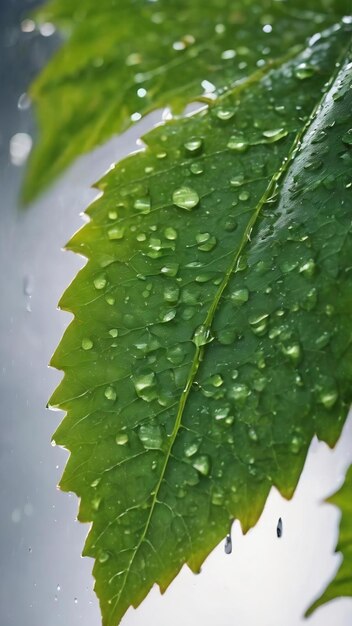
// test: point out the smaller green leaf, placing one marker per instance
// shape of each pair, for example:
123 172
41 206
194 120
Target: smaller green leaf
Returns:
342 582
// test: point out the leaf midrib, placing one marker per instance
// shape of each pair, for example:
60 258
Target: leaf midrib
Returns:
199 352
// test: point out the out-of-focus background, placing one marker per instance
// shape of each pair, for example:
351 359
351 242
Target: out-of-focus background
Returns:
266 581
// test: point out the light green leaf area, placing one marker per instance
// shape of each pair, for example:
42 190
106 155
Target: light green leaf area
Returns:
126 58
211 337
342 583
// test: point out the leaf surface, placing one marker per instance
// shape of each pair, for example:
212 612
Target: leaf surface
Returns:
126 58
211 336
342 583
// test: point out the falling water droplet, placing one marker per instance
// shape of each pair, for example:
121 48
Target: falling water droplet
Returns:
228 544
279 528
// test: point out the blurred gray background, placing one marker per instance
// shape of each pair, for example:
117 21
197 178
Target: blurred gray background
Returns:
43 580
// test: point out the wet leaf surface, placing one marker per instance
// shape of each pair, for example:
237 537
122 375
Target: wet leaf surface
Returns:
123 59
211 335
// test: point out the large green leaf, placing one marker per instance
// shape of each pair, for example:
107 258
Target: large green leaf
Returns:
126 58
342 583
211 337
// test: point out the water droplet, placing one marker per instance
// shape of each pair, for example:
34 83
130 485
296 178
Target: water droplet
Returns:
244 195
170 233
347 137
293 352
239 392
217 497
279 528
275 134
20 147
253 434
191 448
185 198
237 143
228 544
171 294
121 438
103 556
239 296
99 282
145 385
24 102
110 394
224 113
194 146
75 600
117 232
296 444
170 269
196 168
113 332
304 70
202 336
58 588
87 344
202 464
237 181
206 242
228 54
143 205
150 436
328 398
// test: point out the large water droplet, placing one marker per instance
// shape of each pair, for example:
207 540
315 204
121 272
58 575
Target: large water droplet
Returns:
99 282
116 232
185 198
202 336
150 436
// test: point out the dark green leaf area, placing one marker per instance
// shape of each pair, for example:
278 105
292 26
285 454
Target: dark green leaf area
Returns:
342 583
126 58
211 336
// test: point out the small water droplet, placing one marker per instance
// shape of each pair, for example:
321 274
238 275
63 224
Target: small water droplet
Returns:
103 556
275 134
87 344
347 137
304 70
194 146
228 544
279 528
328 398
202 464
170 233
143 205
110 394
237 143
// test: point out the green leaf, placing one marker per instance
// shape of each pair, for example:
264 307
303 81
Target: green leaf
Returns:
211 335
342 583
124 59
